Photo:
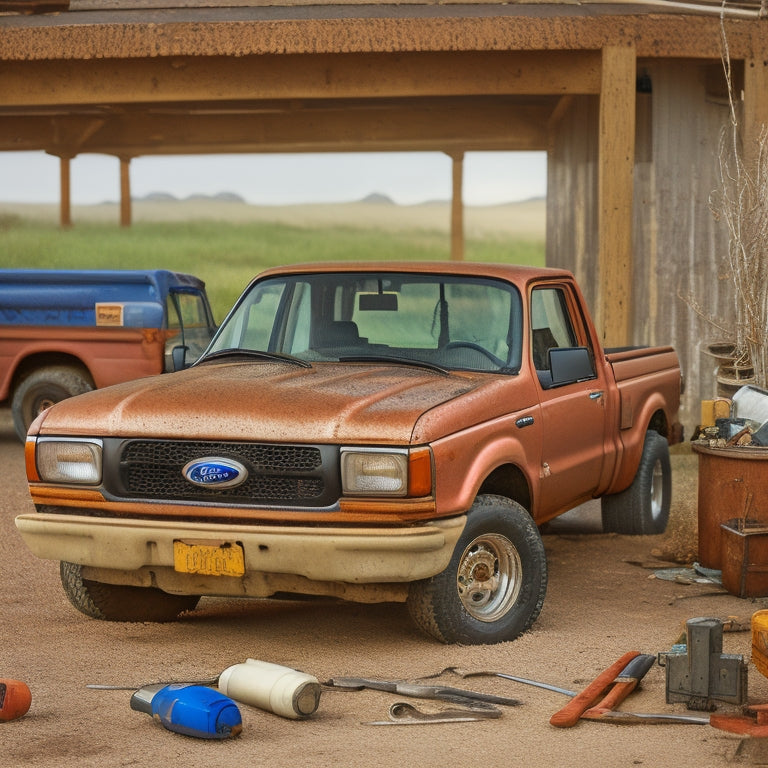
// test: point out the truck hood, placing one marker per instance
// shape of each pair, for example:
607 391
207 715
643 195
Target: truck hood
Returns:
281 402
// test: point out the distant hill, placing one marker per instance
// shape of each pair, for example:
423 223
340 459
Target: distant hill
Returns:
167 197
377 198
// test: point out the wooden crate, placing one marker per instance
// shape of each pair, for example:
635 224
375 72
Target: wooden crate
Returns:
744 557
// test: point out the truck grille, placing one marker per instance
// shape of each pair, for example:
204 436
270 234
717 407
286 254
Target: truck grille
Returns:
285 475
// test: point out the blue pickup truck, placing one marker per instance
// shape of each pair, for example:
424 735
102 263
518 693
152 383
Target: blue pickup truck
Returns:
64 332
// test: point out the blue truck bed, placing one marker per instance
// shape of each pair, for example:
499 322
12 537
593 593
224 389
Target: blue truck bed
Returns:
128 298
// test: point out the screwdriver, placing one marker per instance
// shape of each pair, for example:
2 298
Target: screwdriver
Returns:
193 710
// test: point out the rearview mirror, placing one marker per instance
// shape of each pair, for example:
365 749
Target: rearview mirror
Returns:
378 302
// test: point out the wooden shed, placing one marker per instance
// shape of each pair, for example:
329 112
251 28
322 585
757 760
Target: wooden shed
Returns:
628 99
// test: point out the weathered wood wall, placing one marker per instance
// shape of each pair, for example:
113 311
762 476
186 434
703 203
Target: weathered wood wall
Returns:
679 274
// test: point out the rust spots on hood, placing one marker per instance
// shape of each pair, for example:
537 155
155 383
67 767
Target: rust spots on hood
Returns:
273 402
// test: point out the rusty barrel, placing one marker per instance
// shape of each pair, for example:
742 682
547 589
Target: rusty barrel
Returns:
733 483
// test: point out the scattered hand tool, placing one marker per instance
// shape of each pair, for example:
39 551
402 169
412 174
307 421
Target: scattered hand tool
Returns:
15 699
271 687
593 702
442 692
192 710
505 676
597 712
401 713
753 723
648 718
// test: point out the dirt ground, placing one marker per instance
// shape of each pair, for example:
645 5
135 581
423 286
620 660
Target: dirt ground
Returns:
604 599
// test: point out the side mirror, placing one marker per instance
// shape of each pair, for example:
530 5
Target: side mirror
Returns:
179 357
570 364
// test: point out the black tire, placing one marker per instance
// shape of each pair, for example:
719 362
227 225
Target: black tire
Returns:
117 602
494 587
41 389
643 508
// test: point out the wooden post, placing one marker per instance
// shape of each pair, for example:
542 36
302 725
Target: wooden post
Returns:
615 177
125 191
457 208
65 197
755 105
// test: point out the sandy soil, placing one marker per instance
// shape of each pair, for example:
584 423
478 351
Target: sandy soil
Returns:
603 600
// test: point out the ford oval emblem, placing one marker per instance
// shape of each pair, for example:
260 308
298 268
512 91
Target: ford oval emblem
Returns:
215 472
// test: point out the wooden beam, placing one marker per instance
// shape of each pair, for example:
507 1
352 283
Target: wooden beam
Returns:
394 28
458 124
457 208
615 175
128 81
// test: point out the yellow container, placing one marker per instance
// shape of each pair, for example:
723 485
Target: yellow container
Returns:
760 641
711 410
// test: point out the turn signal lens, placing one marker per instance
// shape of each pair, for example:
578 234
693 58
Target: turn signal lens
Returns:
420 473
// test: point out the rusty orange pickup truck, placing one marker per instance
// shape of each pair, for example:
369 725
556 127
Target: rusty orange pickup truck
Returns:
371 432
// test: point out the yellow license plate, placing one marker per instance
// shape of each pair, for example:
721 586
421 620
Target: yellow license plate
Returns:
208 558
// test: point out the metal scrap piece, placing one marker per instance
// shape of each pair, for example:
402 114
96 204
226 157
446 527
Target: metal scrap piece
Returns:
442 692
401 713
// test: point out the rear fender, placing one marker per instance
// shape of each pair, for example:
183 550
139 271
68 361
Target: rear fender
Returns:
652 417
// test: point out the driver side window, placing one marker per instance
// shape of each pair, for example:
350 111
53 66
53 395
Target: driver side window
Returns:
550 328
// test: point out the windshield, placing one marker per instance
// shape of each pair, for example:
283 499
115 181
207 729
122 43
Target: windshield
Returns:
455 322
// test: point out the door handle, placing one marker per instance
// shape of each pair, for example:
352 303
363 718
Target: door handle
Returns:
595 395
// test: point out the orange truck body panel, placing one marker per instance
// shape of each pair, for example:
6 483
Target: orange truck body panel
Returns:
111 355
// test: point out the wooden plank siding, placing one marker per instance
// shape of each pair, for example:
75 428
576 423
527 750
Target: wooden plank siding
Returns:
677 244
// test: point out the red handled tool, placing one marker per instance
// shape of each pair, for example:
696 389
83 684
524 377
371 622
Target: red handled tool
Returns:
753 723
606 691
15 699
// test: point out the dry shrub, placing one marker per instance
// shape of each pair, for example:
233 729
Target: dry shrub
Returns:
741 203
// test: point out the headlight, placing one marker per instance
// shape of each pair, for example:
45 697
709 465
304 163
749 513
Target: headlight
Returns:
390 472
69 461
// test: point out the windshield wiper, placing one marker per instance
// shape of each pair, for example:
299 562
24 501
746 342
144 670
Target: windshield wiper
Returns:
394 359
260 353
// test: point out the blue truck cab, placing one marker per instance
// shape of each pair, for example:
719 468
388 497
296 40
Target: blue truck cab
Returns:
64 332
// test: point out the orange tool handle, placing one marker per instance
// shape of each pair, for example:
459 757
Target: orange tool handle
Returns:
15 699
570 714
627 681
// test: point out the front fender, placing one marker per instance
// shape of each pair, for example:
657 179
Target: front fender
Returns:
465 459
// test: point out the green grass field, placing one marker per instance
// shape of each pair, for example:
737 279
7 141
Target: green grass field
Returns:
227 255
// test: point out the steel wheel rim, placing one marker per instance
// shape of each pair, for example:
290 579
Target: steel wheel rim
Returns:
657 490
489 577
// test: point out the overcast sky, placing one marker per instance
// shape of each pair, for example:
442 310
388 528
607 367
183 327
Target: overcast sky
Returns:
280 179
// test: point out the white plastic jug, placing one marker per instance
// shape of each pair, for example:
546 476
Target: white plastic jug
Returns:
272 687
